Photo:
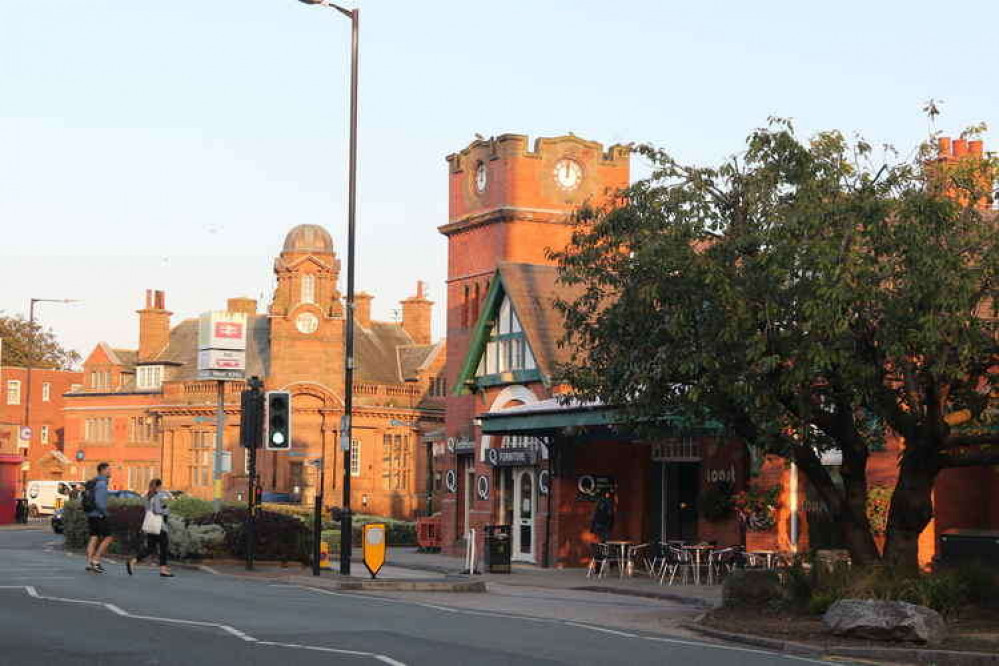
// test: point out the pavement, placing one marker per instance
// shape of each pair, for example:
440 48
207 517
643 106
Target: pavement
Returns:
51 611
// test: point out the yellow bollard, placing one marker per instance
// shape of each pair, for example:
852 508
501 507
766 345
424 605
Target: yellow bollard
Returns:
324 556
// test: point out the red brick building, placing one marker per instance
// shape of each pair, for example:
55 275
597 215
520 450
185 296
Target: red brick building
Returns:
515 454
43 453
508 203
147 412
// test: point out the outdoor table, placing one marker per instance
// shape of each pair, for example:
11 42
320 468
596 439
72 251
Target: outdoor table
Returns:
697 550
768 555
622 546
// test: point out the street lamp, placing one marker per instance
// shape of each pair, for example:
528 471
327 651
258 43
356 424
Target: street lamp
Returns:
31 355
348 366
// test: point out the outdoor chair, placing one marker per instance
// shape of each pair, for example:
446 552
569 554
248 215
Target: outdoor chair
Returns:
723 562
599 552
678 561
639 556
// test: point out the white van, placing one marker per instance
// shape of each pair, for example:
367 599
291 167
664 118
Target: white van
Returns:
44 497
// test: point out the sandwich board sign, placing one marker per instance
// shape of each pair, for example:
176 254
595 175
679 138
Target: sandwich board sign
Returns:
374 547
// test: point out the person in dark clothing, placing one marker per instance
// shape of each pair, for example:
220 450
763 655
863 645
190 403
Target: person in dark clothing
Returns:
155 529
97 520
603 517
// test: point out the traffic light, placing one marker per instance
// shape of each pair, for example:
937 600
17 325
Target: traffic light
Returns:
251 418
277 421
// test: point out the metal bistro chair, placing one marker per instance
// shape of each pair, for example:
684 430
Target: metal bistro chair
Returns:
638 556
599 553
677 561
722 562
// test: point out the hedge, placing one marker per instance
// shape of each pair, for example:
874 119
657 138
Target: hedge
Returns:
283 532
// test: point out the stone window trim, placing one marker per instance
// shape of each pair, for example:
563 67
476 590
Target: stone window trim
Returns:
13 391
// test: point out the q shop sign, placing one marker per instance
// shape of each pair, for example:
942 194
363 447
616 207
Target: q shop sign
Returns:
222 330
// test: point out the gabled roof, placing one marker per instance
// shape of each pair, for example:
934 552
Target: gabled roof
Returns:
414 359
533 290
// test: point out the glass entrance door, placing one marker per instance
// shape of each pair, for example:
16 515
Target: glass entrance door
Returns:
525 506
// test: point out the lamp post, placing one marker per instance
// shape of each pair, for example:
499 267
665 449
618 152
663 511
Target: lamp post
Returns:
31 356
348 369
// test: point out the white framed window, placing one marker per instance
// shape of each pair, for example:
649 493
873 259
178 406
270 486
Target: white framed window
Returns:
46 391
14 392
308 289
45 434
355 457
507 348
149 377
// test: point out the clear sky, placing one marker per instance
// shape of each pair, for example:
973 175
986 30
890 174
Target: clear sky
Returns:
171 145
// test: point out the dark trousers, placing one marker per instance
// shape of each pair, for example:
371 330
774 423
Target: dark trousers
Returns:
154 541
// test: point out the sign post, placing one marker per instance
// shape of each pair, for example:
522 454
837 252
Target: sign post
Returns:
221 356
374 547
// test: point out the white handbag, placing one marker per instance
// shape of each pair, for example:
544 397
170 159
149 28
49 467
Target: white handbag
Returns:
152 523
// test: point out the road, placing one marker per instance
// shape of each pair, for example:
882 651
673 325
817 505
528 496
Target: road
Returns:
53 612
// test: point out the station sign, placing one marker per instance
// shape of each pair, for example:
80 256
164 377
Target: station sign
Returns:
222 345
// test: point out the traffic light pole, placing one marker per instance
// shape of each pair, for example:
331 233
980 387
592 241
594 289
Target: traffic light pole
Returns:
250 435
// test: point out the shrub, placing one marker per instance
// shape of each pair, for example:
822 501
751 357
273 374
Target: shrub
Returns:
192 541
75 528
752 589
190 507
278 536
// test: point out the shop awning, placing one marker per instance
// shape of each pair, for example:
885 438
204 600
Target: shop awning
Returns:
551 415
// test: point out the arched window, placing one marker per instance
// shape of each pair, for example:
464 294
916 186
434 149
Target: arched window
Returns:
308 289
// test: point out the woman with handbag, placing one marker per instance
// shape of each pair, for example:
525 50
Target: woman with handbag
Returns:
154 526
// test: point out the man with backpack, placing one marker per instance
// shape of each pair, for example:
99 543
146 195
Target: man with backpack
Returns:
95 506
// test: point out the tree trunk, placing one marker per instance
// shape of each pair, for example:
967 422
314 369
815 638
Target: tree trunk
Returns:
842 505
911 509
854 522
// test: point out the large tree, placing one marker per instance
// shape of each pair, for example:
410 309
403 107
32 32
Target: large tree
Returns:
806 294
24 342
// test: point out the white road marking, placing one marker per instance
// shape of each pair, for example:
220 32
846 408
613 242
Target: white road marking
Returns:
601 629
622 634
33 592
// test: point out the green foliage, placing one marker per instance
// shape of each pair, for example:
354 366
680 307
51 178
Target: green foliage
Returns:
807 294
23 342
716 503
757 507
189 541
74 522
948 591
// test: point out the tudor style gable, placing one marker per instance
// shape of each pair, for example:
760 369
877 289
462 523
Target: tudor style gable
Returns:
516 337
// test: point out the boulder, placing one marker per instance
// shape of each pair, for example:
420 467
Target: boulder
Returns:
885 621
751 588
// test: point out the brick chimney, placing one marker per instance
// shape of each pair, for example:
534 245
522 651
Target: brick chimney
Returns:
154 325
362 309
416 312
247 306
955 153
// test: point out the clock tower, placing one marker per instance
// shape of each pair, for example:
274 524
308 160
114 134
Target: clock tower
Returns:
511 201
306 312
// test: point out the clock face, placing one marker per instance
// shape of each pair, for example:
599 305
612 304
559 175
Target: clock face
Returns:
307 323
568 174
481 177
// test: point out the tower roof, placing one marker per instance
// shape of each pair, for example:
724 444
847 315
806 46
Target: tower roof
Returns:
308 238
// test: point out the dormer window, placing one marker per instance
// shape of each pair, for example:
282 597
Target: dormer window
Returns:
506 349
149 377
308 289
